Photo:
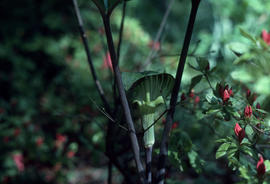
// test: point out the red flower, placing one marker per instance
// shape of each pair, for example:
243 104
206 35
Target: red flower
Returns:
183 97
239 132
197 100
107 62
266 37
60 139
39 141
226 96
70 154
174 125
260 167
18 160
248 111
258 106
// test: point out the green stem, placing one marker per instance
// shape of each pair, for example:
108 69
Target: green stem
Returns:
149 135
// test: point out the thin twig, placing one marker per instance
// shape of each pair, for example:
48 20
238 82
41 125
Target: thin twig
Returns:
89 59
123 98
164 142
157 38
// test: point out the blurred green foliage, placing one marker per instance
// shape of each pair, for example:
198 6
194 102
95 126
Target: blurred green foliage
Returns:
46 87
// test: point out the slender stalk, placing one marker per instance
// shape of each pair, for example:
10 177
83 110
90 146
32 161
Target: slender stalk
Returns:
123 98
158 35
121 30
89 59
109 172
164 142
148 164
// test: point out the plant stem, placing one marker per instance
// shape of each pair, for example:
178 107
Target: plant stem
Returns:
121 30
123 98
164 142
148 164
89 59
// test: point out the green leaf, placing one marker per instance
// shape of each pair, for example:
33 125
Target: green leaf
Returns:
194 81
238 48
222 150
211 98
267 165
247 35
129 78
202 62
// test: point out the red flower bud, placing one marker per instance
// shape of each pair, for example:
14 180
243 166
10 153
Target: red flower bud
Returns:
260 167
17 132
248 111
207 68
266 37
183 97
258 106
227 87
197 100
248 93
70 154
239 132
226 96
231 92
39 141
191 94
174 125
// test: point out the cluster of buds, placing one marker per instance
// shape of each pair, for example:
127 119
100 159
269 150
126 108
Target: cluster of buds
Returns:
250 97
248 111
239 132
191 96
224 92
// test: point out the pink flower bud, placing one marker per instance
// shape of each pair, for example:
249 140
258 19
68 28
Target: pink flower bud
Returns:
248 93
248 111
226 96
260 167
18 160
239 132
266 37
197 100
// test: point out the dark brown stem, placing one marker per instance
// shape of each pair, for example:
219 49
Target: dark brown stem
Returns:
89 59
164 142
121 30
123 98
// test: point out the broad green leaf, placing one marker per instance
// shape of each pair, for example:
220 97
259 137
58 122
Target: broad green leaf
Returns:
202 63
211 98
194 81
238 48
267 165
222 150
129 78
